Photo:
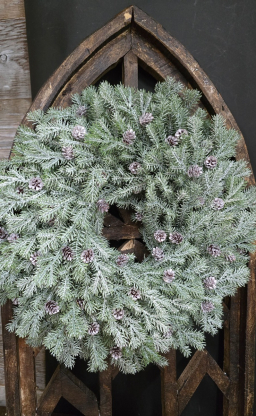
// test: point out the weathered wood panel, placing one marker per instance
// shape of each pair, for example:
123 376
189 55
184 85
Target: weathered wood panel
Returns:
12 9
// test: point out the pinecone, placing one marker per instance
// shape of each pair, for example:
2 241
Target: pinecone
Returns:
176 237
79 132
67 253
15 302
169 332
116 352
67 152
12 237
122 260
94 328
146 119
160 236
207 306
129 136
180 132
102 205
138 216
80 303
118 314
87 255
172 140
194 171
169 276
214 250
3 234
134 167
20 190
51 221
158 253
218 203
135 293
231 258
52 307
33 258
210 283
81 110
36 184
210 162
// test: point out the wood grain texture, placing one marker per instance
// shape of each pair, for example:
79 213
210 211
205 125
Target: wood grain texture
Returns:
130 70
12 9
27 379
105 383
169 388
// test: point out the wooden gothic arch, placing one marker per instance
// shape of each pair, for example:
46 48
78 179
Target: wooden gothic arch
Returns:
136 39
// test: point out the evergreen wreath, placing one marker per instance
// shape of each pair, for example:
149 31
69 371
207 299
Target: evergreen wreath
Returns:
165 158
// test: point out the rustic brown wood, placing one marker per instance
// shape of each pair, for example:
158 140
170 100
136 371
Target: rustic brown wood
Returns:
27 379
124 232
12 9
130 70
11 363
169 386
105 382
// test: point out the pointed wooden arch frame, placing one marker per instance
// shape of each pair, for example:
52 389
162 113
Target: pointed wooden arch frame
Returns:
136 39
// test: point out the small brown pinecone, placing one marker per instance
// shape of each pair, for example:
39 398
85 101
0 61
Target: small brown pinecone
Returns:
210 162
94 328
231 258
78 132
3 234
181 132
20 190
207 306
81 110
122 260
12 237
218 203
67 152
67 253
134 167
33 258
135 293
158 253
146 119
214 250
160 236
210 283
52 307
169 276
176 237
169 332
36 184
87 255
129 136
102 205
118 314
116 352
172 140
139 216
80 303
194 171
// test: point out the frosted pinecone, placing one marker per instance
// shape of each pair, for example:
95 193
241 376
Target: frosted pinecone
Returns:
194 171
231 258
214 250
134 167
169 332
12 237
176 237
3 234
15 302
52 307
94 328
20 190
207 306
218 203
158 253
169 276
81 110
210 283
80 303
172 140
67 152
87 255
116 352
138 216
180 132
36 184
67 253
118 314
135 293
122 260
160 236
33 258
129 136
146 119
102 205
210 162
78 132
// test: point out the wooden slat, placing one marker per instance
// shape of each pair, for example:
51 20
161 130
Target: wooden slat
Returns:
124 232
136 247
130 70
105 382
169 387
27 379
12 9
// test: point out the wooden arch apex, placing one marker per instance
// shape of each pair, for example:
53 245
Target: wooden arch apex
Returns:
136 39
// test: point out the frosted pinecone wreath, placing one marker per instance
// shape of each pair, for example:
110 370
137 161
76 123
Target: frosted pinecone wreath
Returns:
163 157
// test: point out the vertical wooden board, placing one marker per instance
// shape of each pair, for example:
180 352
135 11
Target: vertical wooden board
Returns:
40 372
130 70
105 381
27 379
12 9
169 387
